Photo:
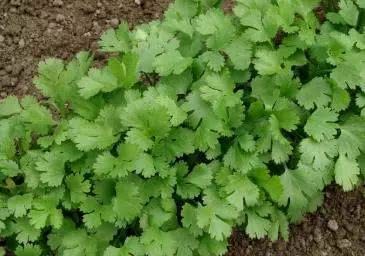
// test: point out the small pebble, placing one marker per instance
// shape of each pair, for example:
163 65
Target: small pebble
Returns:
87 9
58 3
96 27
8 68
17 69
138 2
317 235
52 25
114 22
332 225
5 81
99 4
2 39
21 43
343 243
3 94
15 2
60 17
14 81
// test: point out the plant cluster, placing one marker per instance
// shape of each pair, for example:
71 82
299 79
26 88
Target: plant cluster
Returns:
196 124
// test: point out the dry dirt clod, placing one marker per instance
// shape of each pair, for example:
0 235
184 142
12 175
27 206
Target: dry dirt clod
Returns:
87 8
317 235
332 225
15 2
52 25
344 243
17 69
2 39
114 22
60 17
21 43
8 68
58 3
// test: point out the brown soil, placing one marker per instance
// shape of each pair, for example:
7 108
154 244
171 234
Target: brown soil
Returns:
31 30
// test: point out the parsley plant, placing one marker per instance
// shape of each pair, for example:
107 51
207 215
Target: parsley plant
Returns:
197 123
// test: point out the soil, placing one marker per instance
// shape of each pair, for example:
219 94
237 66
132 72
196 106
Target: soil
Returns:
31 30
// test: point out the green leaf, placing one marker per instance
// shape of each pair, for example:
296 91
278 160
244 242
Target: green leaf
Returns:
268 62
348 72
217 27
20 204
240 52
361 4
45 212
286 114
28 250
178 16
260 27
215 217
117 40
316 93
171 62
88 135
186 244
271 184
318 154
98 80
128 202
321 124
9 168
78 187
25 233
347 172
190 185
257 226
299 187
125 69
264 89
240 160
52 168
132 246
242 192
340 98
189 220
209 246
214 60
36 118
158 243
349 12
178 116
351 140
279 226
9 106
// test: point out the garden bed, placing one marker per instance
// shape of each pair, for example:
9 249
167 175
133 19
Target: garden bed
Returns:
31 30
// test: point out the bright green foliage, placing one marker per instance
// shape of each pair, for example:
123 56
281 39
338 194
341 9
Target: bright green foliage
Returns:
198 123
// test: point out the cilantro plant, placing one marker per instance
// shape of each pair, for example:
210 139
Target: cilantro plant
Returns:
197 123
